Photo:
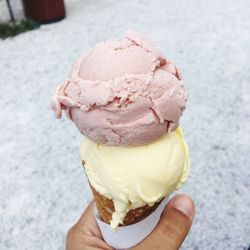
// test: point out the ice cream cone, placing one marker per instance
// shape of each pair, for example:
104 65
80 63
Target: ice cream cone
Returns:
106 208
126 98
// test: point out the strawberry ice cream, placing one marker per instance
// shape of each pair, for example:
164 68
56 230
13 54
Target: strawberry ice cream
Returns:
123 93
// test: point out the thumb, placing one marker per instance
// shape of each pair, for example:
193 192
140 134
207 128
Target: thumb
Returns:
173 227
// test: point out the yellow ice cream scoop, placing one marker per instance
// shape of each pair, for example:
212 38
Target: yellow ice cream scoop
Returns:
135 176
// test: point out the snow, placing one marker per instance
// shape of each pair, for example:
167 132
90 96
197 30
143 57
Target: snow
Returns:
17 9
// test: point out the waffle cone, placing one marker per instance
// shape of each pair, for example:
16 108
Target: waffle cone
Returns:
106 208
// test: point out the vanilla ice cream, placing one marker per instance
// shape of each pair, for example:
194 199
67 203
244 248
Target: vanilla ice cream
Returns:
135 176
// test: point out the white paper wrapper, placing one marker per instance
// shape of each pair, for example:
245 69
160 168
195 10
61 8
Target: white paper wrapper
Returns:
128 236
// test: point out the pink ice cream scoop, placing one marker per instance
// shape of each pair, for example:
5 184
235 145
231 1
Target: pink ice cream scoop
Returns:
123 93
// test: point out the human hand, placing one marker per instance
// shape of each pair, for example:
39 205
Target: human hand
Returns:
169 233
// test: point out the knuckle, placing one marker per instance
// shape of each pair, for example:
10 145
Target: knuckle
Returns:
78 231
170 228
76 238
85 230
175 223
73 232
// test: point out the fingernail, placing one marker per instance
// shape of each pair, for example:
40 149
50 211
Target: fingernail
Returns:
185 205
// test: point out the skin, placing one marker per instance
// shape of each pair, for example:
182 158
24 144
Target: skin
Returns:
170 232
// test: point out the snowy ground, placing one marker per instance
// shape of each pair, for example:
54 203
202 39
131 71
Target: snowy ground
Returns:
17 9
42 185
